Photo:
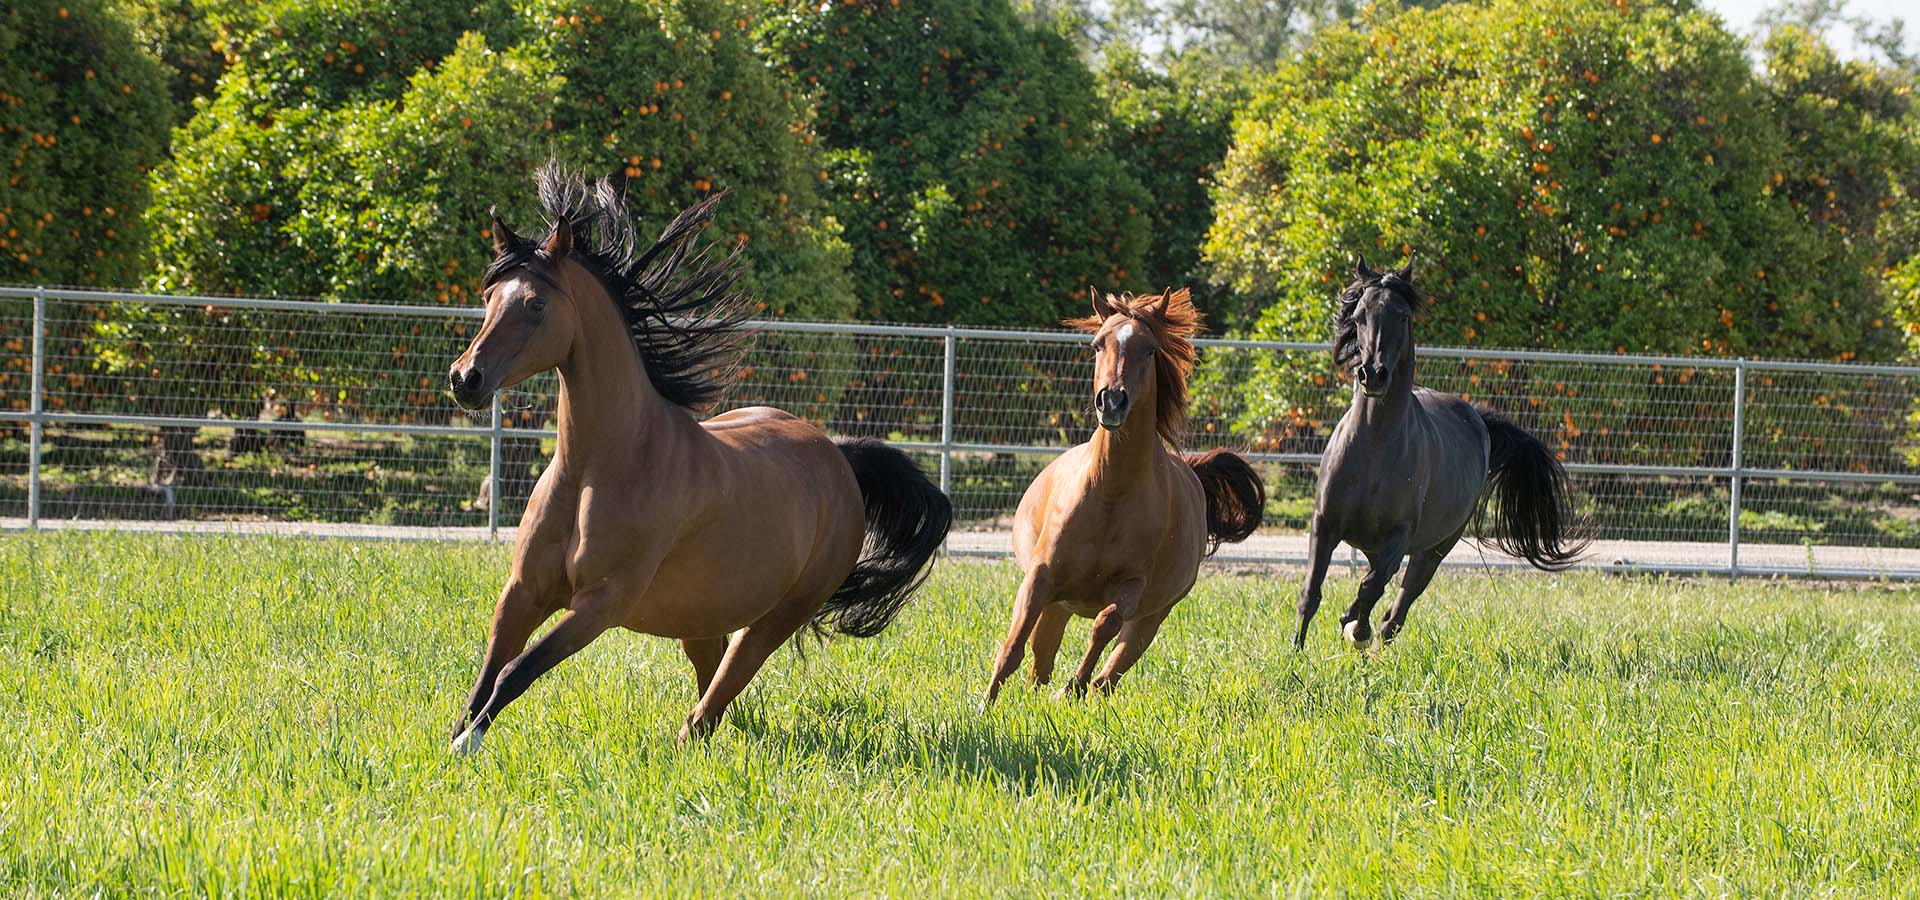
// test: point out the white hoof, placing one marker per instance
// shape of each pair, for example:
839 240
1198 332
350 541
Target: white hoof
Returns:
468 743
1351 633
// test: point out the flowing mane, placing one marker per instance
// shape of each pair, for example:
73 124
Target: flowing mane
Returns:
679 302
1174 322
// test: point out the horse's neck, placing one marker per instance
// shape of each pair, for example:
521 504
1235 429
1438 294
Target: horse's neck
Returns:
609 409
1387 413
1123 456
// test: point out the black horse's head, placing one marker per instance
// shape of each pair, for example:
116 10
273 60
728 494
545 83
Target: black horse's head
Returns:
1373 334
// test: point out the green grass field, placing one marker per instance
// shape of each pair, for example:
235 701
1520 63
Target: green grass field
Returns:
270 717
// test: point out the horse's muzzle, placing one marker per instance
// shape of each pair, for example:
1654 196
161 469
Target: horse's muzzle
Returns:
1112 405
469 386
1373 379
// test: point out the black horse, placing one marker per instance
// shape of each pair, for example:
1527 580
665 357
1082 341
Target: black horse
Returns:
1405 470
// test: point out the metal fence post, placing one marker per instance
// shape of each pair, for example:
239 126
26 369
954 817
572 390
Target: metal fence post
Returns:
35 428
946 414
494 494
1733 484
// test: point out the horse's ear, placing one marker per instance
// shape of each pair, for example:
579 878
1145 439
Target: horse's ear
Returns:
1405 272
1101 307
1360 268
560 242
503 237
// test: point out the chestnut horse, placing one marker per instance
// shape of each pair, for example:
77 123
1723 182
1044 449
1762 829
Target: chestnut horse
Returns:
1115 528
750 524
1407 468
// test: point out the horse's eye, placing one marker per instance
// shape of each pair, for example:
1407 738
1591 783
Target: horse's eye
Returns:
536 304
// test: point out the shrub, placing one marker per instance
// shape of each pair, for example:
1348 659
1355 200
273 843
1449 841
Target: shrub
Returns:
1171 130
84 116
1574 175
967 159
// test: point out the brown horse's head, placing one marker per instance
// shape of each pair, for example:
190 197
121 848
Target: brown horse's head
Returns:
1373 332
1143 347
675 296
531 319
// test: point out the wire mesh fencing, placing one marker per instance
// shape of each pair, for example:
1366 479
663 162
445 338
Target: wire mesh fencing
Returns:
178 413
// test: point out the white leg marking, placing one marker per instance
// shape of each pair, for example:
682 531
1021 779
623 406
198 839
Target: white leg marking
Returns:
468 743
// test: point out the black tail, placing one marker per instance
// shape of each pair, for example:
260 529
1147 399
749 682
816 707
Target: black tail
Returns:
1527 488
1236 497
907 519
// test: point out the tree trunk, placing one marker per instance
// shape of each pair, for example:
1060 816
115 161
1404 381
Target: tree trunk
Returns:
175 461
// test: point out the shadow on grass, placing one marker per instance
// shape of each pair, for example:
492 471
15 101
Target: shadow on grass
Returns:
1024 755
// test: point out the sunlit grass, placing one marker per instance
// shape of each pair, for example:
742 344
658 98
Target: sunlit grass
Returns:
227 716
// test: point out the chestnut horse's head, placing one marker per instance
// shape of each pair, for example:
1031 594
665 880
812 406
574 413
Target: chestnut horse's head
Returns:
1143 348
1373 332
531 319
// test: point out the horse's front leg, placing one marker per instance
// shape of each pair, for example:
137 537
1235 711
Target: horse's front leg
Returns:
1382 565
591 612
1419 574
515 617
1036 590
1320 543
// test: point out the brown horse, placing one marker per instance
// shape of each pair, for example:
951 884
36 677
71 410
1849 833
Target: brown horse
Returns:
750 524
1115 528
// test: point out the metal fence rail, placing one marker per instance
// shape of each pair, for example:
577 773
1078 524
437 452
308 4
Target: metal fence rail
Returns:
245 414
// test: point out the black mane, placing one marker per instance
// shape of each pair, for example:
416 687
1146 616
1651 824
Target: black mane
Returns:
679 304
1346 333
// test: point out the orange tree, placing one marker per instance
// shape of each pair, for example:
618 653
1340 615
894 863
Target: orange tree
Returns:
1573 175
83 118
968 159
1171 128
354 149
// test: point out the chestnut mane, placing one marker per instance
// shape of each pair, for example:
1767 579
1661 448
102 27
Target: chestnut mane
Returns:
1173 321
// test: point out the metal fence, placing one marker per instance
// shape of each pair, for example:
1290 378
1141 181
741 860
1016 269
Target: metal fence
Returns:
233 414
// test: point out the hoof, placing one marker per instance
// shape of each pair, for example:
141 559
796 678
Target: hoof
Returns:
1360 639
468 743
1103 686
1073 689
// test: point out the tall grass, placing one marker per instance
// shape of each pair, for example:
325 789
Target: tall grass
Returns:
186 716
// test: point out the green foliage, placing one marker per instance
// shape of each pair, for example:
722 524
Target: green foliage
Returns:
348 157
183 35
1573 175
367 170
83 117
1852 162
1171 130
967 159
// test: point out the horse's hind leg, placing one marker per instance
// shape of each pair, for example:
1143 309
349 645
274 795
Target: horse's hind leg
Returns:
746 654
1420 573
1320 544
1046 641
1135 637
705 654
1382 565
